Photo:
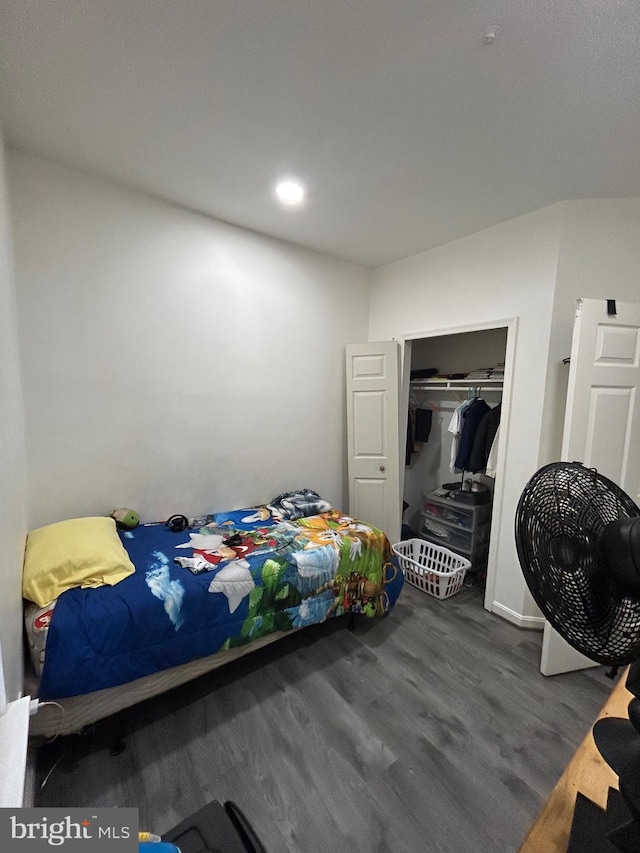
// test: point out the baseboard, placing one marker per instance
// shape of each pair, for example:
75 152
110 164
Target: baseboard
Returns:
535 623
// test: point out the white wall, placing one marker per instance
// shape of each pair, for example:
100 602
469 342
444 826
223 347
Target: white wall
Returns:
12 463
599 259
172 363
501 272
460 353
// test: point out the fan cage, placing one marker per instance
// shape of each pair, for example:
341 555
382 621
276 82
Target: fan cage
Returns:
561 515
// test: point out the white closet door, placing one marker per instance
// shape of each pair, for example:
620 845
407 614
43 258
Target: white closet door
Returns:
602 420
373 436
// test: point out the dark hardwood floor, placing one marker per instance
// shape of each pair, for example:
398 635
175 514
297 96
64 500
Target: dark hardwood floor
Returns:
430 730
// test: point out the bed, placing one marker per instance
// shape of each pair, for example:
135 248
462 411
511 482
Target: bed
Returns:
194 600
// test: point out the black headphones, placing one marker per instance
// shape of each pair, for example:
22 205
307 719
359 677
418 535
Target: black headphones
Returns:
177 523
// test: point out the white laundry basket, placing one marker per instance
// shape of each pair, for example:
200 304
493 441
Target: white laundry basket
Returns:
431 568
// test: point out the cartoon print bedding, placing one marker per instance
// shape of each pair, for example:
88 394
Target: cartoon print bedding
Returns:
234 578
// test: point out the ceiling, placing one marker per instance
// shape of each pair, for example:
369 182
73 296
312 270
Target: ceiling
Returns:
409 125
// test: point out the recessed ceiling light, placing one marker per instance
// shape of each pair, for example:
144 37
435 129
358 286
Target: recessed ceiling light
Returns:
290 192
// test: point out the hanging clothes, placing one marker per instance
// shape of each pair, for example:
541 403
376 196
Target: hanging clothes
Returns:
470 423
492 461
418 430
455 428
411 425
483 440
424 418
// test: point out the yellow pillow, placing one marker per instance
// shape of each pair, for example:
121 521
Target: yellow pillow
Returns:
84 552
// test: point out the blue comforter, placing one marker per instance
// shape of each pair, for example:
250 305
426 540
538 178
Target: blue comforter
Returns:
192 596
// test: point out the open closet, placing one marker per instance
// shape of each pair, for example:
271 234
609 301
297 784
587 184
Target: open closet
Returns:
455 409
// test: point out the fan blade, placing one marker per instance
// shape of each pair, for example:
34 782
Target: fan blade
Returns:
568 537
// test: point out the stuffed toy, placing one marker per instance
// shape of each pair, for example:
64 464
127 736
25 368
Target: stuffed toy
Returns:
125 518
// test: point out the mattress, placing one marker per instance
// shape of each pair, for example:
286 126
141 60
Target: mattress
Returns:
233 582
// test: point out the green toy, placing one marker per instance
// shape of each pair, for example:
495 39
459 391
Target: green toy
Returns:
126 518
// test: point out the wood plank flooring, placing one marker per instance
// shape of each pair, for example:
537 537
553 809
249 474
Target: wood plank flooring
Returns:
430 730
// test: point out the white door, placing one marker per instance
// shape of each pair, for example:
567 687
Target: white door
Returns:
372 435
602 420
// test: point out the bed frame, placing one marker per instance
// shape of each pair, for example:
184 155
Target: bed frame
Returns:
73 714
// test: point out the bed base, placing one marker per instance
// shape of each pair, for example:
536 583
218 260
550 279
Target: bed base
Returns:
79 714
74 714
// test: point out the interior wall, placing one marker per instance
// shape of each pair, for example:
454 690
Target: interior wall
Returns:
501 272
460 353
599 259
12 462
172 363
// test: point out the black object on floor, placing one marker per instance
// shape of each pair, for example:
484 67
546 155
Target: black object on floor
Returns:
215 828
592 825
407 532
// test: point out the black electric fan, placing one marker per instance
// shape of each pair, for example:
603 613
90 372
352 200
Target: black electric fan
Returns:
578 542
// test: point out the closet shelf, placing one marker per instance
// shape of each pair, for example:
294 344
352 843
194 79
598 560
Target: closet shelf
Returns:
457 384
